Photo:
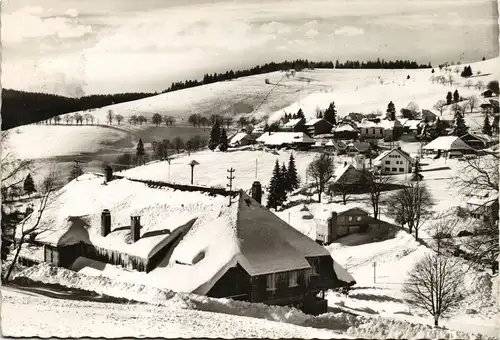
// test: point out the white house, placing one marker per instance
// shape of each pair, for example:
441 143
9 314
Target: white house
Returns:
395 161
370 130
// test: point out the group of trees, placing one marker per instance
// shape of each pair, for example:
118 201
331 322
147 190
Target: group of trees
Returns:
453 98
467 72
157 119
197 120
381 64
21 107
282 181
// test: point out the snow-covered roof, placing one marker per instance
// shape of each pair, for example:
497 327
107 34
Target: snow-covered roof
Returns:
238 137
386 153
384 124
344 127
313 121
411 123
339 172
244 232
279 138
292 122
447 143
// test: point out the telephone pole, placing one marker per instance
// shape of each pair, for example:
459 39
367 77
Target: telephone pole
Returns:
374 272
230 185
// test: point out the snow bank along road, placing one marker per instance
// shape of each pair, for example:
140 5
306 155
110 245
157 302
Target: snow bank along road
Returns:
27 315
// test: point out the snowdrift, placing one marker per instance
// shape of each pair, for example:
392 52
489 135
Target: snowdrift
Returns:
354 325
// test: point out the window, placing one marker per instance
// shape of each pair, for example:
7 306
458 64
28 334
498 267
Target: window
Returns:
350 218
292 280
373 130
315 266
401 170
359 218
387 162
386 169
394 169
271 282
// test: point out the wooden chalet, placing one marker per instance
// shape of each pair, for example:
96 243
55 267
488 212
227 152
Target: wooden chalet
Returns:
295 125
318 126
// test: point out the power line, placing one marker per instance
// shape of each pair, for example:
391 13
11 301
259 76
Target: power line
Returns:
230 185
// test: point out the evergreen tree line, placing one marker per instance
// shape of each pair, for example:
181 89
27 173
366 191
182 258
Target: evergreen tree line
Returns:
21 107
283 181
296 65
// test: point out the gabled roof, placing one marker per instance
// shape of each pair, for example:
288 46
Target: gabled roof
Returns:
342 171
447 143
386 153
292 123
238 137
360 146
313 122
279 138
344 127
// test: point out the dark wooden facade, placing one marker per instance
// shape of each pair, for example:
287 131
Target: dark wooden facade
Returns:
473 141
297 288
320 127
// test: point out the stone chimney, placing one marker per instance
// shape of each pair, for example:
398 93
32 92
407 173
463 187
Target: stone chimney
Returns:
332 228
257 191
109 174
105 223
135 228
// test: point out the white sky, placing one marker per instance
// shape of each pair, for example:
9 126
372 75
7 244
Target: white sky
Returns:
101 46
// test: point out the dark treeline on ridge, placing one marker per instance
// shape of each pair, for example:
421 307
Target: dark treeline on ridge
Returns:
21 108
297 65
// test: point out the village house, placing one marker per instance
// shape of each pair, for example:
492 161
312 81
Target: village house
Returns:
448 146
188 239
295 125
335 147
428 115
356 148
241 139
478 141
488 94
347 175
370 130
286 139
318 126
346 221
489 108
483 206
395 161
345 132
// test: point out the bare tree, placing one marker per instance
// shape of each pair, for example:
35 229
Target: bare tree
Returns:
110 116
411 205
473 101
443 228
414 108
31 225
435 284
451 79
468 84
156 119
440 106
178 144
478 174
57 119
375 183
132 120
480 85
119 118
321 170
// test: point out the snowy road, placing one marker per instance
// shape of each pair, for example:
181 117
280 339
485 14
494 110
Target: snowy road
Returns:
25 314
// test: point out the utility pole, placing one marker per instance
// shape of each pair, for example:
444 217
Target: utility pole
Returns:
230 185
374 272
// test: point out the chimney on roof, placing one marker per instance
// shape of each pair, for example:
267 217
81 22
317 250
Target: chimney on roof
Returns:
135 228
331 234
105 223
257 191
345 163
109 174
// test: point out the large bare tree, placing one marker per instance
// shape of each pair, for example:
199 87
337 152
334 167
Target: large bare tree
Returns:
435 283
31 226
411 205
321 171
376 183
440 106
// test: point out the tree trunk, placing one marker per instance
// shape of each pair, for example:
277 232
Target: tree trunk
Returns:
320 191
416 234
11 267
436 321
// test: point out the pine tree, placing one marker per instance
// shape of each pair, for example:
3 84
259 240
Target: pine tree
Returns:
223 143
391 111
330 114
140 152
456 96
459 128
432 71
293 180
284 185
487 127
300 114
214 136
449 98
416 171
29 185
273 198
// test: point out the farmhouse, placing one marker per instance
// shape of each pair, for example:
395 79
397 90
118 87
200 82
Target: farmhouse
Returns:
345 132
483 206
352 220
488 94
188 239
346 175
448 145
387 129
318 126
395 161
240 139
295 125
336 147
489 108
478 141
356 148
282 139
428 115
